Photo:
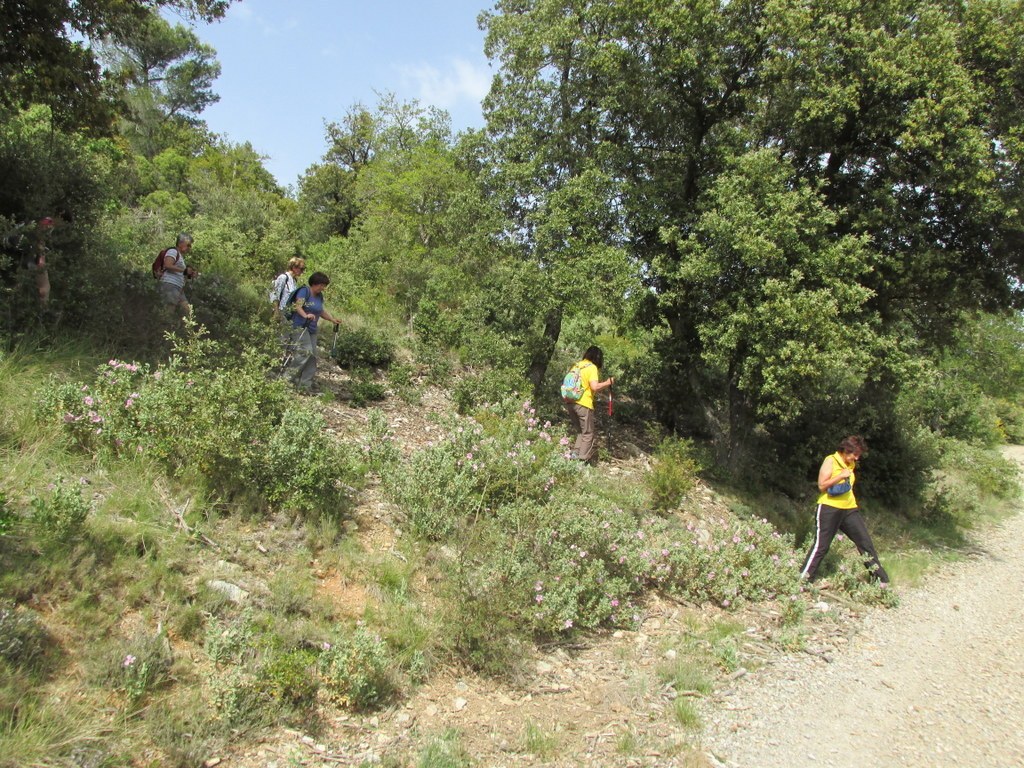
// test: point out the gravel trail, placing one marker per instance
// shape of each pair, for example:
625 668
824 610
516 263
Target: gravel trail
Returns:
934 682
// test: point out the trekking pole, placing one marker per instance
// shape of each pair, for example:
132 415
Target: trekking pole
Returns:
334 344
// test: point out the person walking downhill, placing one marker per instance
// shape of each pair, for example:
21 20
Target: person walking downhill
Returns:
172 281
308 309
581 409
837 510
284 285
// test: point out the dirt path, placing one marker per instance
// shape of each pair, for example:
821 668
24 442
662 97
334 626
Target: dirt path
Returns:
936 682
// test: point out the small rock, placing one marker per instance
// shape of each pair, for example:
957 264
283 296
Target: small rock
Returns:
232 592
460 704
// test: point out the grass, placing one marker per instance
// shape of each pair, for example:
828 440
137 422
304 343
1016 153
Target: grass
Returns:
685 714
540 742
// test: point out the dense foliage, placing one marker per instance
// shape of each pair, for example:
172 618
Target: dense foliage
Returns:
784 221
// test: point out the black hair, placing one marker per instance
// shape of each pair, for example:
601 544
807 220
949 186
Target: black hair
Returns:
594 355
319 278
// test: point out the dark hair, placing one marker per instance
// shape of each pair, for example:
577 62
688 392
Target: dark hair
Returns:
594 355
319 278
853 444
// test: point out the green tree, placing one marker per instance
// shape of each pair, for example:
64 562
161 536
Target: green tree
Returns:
45 56
167 75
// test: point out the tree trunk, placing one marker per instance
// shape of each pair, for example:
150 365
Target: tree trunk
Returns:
542 356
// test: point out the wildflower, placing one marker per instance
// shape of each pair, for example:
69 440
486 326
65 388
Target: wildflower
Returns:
325 646
128 661
539 598
564 441
568 623
726 603
69 418
469 456
85 388
615 602
538 586
128 403
88 400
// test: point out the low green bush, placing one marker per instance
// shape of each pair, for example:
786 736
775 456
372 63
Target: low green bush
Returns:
355 670
674 470
361 348
289 678
59 518
224 423
503 455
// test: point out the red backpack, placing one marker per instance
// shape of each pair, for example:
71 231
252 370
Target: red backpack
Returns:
158 264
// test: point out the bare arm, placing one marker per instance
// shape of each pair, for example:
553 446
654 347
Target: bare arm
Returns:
825 479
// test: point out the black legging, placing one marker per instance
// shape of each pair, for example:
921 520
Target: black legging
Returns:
829 520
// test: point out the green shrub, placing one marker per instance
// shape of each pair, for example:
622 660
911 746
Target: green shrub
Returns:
674 472
482 389
289 678
60 518
230 640
361 348
504 455
225 423
355 670
303 470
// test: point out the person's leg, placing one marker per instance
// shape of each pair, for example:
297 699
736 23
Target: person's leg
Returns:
300 351
853 525
308 368
574 422
826 523
586 439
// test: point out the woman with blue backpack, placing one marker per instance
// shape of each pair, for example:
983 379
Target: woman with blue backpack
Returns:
578 388
306 306
837 510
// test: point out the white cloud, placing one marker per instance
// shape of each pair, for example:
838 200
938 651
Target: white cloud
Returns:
461 81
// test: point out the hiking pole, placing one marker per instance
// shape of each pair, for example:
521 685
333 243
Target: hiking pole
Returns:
334 344
609 401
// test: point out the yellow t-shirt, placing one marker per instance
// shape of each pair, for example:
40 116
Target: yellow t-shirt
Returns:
588 376
844 500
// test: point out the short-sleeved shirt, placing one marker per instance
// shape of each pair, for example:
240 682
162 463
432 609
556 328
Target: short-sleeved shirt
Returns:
174 278
283 287
311 305
589 375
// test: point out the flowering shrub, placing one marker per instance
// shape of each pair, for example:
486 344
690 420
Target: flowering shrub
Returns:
505 455
231 425
140 667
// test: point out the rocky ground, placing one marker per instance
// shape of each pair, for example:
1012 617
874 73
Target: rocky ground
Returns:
934 682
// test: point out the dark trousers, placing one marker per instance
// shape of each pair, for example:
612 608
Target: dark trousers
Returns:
829 521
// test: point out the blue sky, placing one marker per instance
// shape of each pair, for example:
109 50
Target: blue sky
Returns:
289 65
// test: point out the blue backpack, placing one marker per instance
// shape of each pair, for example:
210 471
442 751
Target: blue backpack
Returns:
573 388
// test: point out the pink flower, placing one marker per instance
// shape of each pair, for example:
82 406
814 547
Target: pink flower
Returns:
128 661
88 400
615 603
568 623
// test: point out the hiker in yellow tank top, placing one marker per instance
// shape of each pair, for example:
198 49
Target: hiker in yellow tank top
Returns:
837 510
581 412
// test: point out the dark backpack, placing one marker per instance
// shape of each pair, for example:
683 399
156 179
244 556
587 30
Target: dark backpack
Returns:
158 264
289 307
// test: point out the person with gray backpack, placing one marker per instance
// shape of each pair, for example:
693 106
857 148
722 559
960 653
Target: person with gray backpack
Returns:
284 285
